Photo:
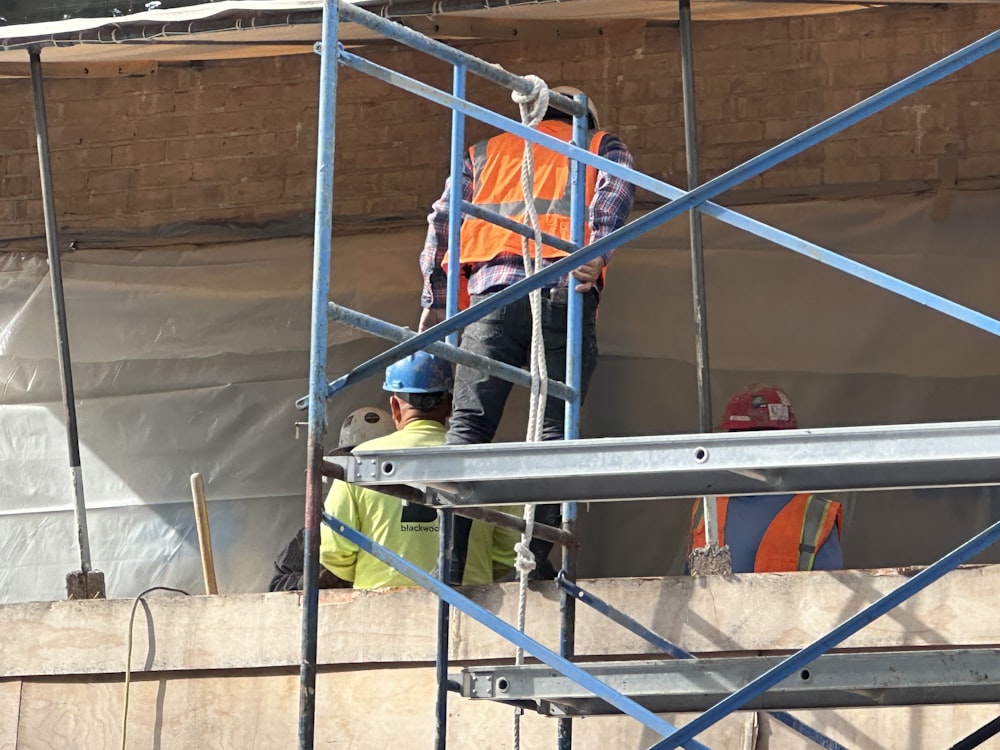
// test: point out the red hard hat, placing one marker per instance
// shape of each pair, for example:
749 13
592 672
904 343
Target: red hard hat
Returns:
759 407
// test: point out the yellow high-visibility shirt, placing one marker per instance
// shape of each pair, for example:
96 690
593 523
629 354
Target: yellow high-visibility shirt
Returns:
491 555
411 531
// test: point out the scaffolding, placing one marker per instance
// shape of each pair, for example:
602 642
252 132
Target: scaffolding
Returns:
673 466
933 455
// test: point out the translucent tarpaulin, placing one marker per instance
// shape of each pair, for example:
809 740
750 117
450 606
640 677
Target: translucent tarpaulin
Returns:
184 360
190 359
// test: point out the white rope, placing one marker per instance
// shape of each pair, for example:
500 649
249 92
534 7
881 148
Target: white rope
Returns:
532 106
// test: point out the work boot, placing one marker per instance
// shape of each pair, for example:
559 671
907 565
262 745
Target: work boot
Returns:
544 570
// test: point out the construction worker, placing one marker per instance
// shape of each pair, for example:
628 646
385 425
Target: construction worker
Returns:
491 554
361 425
491 260
420 403
772 533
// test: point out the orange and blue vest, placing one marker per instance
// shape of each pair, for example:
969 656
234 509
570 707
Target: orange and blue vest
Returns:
496 176
791 540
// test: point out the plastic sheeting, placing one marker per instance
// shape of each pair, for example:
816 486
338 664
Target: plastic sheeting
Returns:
184 360
190 359
847 353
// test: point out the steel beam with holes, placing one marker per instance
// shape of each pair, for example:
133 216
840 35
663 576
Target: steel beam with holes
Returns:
829 459
901 678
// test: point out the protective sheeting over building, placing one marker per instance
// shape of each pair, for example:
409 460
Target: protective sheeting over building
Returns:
190 357
189 353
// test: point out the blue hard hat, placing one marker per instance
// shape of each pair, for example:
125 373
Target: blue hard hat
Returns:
419 373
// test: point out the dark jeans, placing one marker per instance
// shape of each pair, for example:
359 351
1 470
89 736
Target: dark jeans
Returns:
479 399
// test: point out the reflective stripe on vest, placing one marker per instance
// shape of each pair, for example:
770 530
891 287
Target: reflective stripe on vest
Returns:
496 186
814 524
791 540
804 524
559 205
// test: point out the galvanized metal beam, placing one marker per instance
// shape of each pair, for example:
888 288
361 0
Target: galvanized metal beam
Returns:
829 459
900 678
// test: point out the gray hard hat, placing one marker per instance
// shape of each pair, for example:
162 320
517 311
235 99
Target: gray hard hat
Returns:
364 424
573 91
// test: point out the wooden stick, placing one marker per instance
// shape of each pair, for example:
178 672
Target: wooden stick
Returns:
204 533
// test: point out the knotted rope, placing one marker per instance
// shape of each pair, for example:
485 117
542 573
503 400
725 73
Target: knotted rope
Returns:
533 107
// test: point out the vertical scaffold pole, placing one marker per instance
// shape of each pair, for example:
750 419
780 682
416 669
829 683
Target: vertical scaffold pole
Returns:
445 542
694 216
703 371
317 368
455 198
447 520
571 426
87 583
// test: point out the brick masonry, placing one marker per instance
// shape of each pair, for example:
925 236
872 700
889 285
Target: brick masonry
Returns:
235 140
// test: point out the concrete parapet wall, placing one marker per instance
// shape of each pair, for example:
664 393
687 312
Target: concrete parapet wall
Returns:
704 615
222 671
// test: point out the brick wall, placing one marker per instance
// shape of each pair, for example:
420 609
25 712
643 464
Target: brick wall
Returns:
236 140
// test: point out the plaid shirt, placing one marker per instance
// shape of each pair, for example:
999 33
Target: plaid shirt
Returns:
288 566
608 211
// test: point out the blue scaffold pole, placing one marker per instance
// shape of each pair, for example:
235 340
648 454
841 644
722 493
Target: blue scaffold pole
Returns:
571 422
422 43
455 197
447 520
574 311
323 231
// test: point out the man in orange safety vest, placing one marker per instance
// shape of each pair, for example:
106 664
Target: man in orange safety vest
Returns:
491 261
772 533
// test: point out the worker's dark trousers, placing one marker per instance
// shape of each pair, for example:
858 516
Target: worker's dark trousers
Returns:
505 335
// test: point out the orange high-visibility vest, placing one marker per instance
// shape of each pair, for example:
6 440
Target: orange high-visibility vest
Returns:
792 539
496 175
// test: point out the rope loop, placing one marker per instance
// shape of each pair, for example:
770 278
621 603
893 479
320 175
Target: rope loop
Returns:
525 562
533 104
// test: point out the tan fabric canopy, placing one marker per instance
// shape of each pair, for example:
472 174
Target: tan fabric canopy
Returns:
265 28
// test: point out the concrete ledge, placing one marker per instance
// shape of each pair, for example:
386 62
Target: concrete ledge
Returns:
764 612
